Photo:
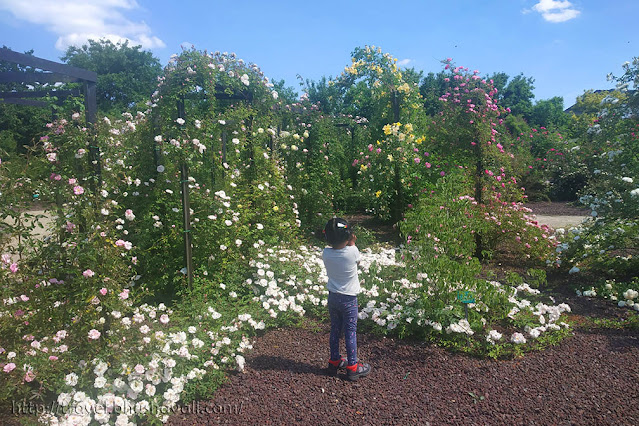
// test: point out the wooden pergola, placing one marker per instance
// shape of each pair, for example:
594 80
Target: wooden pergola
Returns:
50 73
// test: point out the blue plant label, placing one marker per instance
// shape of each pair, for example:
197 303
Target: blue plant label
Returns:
466 296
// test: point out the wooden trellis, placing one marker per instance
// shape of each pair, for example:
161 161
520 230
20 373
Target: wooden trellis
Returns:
49 73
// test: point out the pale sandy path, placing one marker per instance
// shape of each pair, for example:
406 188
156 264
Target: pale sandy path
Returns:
560 221
38 232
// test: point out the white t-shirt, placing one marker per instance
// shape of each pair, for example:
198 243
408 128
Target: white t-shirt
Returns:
341 268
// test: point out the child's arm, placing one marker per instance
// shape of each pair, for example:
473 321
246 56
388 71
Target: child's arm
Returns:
351 242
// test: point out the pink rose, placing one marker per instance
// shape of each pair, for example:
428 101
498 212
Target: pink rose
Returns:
88 273
103 291
9 367
29 376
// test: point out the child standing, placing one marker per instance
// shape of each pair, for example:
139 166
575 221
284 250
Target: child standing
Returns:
340 260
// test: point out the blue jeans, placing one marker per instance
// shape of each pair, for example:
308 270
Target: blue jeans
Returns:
343 311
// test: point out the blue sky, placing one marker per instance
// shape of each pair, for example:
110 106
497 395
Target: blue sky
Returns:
566 46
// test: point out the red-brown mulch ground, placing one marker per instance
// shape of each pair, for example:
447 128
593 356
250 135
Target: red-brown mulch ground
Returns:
590 378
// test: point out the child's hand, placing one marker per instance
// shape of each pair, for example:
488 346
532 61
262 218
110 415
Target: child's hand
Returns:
351 242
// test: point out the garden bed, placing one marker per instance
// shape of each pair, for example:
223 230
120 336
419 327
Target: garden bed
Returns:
586 377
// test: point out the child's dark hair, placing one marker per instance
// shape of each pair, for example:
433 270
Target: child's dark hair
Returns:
337 231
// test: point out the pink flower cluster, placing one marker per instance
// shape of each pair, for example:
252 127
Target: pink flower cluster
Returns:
126 244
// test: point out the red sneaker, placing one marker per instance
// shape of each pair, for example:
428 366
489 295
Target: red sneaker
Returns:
358 370
334 366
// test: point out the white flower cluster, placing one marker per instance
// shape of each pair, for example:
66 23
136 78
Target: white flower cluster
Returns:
386 304
493 337
629 299
124 393
547 316
461 327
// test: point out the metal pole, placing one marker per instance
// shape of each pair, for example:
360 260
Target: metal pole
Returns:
224 137
479 168
90 113
186 210
399 201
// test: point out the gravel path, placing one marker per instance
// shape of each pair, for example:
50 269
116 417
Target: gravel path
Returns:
590 378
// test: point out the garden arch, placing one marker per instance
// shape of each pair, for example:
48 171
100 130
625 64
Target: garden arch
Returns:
220 94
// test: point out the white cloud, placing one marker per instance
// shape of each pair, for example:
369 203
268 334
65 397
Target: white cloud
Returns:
76 21
404 62
555 11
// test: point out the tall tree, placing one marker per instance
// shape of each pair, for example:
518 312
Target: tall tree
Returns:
549 113
331 96
518 96
432 87
499 79
126 75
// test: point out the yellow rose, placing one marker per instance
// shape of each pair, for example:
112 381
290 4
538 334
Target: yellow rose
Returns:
378 193
404 88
